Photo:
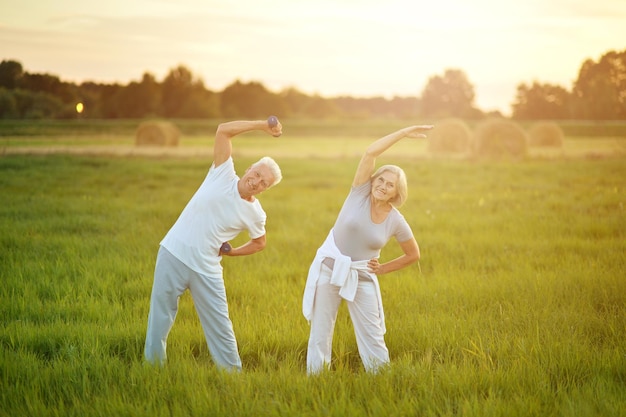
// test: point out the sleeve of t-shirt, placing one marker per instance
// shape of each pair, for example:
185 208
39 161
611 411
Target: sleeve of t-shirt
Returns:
362 190
358 193
226 171
403 230
257 228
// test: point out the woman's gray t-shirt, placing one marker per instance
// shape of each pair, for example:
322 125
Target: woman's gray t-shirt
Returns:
357 236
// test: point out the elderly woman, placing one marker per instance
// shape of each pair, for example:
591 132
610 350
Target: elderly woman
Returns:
346 266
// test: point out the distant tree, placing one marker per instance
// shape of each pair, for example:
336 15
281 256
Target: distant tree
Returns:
541 102
377 107
405 107
599 93
250 100
37 105
89 94
352 107
319 107
450 95
10 74
107 104
178 89
140 99
201 103
363 108
8 105
49 84
294 100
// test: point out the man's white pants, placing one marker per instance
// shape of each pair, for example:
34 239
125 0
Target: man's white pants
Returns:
171 279
365 319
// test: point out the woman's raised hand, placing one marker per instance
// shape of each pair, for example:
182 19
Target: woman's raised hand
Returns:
418 131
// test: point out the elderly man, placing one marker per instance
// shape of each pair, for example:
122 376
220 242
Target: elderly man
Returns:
190 253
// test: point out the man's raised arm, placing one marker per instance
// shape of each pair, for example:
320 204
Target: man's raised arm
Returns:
223 147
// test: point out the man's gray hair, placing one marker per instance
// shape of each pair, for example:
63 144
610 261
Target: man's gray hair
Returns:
274 169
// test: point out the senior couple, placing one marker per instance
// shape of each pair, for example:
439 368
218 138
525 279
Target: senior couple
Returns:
345 267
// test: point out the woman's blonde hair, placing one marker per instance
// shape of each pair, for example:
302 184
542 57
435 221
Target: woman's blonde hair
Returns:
401 186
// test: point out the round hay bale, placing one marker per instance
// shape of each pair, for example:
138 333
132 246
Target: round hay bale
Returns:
499 138
450 136
546 134
157 133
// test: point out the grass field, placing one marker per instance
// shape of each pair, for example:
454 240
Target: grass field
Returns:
306 138
518 306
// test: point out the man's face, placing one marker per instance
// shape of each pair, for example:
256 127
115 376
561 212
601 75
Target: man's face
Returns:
257 179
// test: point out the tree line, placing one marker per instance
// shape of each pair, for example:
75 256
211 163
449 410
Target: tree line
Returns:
599 93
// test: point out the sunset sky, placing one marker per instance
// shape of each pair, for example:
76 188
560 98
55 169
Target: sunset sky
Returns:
361 48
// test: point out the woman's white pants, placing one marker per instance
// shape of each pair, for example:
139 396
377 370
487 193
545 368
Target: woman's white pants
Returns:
365 319
171 279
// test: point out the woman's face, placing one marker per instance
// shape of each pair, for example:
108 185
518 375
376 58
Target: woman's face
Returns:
384 186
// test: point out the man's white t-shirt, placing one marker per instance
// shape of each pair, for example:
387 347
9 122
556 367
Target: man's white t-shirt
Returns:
214 215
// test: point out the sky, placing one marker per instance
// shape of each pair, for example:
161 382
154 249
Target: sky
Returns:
361 48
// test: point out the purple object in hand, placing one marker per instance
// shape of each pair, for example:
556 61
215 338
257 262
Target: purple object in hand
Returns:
272 121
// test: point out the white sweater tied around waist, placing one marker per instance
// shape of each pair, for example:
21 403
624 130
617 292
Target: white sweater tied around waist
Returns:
345 275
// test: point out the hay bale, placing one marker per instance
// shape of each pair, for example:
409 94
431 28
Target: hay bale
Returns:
157 133
499 138
546 134
450 136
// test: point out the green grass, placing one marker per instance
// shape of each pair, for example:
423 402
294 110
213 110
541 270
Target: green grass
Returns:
518 307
